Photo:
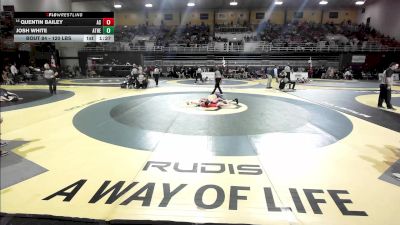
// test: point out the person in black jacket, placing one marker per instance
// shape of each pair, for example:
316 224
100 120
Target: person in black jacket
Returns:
156 74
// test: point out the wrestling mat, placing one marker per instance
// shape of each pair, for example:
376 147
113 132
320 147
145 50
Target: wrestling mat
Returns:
99 154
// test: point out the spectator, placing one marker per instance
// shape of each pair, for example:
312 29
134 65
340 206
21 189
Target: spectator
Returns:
6 76
348 75
14 72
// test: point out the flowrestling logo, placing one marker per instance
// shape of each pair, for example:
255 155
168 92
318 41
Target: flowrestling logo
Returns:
64 14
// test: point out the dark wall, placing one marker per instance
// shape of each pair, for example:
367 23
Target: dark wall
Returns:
374 61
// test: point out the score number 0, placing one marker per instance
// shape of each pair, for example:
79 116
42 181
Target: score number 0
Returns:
108 21
108 25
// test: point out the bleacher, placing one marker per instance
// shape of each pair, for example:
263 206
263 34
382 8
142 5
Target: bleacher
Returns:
258 47
265 37
254 47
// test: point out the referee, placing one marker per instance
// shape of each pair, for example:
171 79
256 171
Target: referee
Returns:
50 76
218 78
385 93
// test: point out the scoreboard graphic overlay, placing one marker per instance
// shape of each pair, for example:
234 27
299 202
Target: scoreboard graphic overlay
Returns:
64 27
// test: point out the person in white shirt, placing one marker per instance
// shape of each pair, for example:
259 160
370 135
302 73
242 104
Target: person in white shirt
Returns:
287 71
134 72
198 75
50 75
14 72
140 69
276 73
348 75
218 78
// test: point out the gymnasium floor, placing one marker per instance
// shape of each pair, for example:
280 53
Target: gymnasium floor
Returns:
98 154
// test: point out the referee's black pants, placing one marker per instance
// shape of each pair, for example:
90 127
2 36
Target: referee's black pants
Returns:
156 77
52 85
385 94
217 83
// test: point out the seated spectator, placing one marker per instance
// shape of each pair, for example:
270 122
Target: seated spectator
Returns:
6 76
26 73
286 80
348 75
92 73
131 81
141 81
295 35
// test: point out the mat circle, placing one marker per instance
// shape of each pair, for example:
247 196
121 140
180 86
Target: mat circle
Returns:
147 122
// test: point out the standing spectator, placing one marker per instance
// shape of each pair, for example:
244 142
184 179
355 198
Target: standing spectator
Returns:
246 72
386 86
269 77
14 72
134 72
140 69
50 75
310 72
287 71
276 73
52 61
198 75
174 71
156 74
218 78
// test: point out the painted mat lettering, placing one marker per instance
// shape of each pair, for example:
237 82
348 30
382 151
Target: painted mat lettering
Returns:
203 168
144 195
